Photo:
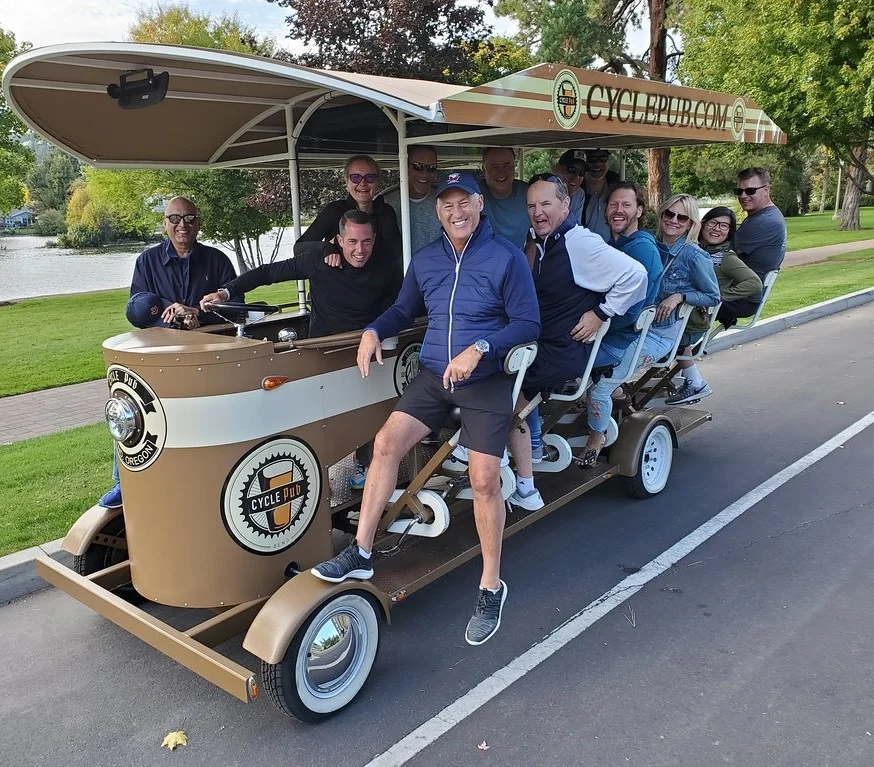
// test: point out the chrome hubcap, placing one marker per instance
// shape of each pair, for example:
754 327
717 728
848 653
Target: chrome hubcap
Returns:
336 652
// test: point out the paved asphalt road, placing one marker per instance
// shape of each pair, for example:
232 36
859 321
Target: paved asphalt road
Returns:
754 650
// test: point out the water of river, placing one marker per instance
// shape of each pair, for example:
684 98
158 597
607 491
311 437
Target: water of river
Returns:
28 268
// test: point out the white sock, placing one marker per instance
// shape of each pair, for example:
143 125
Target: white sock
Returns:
525 485
493 591
363 553
693 375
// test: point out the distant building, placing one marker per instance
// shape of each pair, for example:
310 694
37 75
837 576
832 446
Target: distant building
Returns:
17 219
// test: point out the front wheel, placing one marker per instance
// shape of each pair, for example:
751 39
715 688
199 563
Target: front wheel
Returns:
653 465
110 548
328 661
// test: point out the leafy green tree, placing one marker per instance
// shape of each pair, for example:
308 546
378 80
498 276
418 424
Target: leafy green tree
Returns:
49 183
15 159
811 68
178 24
496 57
50 222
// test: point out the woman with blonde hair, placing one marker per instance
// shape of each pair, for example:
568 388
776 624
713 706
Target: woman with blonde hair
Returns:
688 278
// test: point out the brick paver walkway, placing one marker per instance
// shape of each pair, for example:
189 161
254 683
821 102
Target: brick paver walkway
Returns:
46 412
53 410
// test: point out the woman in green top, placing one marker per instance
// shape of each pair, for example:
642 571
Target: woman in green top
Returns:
736 281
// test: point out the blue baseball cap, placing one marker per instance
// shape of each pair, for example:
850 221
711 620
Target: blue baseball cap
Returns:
144 310
463 181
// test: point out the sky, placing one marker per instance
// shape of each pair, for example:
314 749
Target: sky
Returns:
48 22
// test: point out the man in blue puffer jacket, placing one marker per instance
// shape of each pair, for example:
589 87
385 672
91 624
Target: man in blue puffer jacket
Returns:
479 294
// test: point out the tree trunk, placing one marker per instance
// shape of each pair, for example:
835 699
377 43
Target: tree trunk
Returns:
850 210
238 251
658 160
824 194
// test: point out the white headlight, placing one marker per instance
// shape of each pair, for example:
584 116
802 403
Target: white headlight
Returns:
122 418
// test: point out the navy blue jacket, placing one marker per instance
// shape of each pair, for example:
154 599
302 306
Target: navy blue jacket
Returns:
486 291
185 280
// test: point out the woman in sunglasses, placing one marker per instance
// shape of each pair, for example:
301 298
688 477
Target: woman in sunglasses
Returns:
361 176
737 284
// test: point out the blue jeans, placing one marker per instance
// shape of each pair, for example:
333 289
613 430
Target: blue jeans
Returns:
115 477
656 346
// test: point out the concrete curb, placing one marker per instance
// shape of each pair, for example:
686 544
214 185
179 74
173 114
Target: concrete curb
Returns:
17 576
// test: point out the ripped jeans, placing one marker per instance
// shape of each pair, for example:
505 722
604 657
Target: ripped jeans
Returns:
600 406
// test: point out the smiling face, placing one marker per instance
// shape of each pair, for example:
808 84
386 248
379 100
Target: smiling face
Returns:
672 224
182 235
714 231
545 209
356 242
760 196
573 176
362 189
459 213
623 213
419 162
499 167
597 164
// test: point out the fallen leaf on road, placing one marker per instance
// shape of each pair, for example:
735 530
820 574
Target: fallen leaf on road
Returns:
173 739
483 746
840 403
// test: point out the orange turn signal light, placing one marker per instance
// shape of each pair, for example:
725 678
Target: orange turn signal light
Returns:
273 382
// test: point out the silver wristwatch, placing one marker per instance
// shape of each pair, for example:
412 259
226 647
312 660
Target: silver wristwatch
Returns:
482 346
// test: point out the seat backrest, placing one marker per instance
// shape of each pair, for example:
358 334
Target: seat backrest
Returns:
699 347
584 381
683 314
517 361
767 285
644 320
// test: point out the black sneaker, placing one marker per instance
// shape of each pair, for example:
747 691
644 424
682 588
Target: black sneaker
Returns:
347 564
486 618
689 394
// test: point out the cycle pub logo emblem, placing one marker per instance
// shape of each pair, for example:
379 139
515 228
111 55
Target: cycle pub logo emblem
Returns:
271 496
566 99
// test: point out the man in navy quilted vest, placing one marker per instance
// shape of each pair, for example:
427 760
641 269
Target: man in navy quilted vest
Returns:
479 295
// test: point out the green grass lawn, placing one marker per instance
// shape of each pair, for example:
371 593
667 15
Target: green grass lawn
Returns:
818 229
805 285
48 482
56 341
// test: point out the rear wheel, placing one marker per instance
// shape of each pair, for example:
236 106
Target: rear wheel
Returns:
112 550
653 465
328 661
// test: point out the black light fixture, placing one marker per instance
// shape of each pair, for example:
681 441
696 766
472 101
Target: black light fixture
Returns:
138 88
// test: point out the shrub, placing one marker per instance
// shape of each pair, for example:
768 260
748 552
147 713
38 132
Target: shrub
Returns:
50 222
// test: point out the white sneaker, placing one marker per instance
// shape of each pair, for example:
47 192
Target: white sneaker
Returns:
458 460
531 501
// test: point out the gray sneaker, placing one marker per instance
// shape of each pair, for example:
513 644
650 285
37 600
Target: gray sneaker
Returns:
347 564
486 618
531 501
689 394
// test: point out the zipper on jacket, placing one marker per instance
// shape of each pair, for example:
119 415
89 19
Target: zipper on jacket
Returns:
452 297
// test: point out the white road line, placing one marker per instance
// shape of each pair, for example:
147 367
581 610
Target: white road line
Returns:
424 735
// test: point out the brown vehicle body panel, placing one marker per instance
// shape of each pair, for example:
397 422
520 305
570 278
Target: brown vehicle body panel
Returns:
81 534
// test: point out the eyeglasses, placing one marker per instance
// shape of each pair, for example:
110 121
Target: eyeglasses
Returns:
682 218
722 226
551 177
430 167
749 191
176 218
597 158
367 178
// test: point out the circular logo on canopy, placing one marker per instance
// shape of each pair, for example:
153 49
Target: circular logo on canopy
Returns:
738 119
271 496
153 434
566 99
407 366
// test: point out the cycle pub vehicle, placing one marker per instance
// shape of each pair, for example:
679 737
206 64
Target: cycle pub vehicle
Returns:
235 441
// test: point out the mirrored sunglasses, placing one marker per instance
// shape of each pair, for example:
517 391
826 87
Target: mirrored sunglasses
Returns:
367 178
188 218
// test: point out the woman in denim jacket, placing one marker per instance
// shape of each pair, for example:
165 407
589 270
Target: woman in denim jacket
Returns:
689 278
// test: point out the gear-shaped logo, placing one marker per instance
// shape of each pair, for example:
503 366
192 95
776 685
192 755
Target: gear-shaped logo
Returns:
271 496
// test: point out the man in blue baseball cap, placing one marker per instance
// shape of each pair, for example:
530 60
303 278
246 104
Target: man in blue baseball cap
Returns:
480 300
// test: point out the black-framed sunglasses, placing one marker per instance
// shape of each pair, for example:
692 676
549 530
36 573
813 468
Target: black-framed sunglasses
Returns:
749 191
430 167
682 218
188 218
367 178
